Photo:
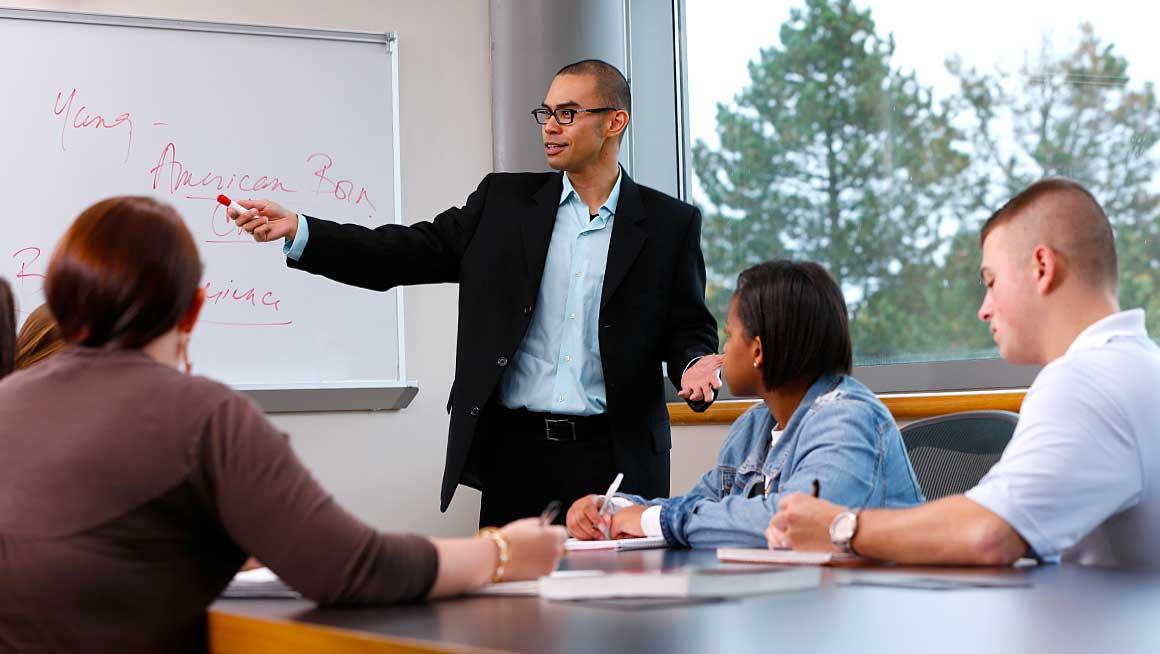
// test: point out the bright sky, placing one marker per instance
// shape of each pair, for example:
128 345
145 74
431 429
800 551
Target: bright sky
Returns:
723 35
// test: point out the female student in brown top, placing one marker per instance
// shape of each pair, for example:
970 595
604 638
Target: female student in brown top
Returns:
39 338
130 491
7 328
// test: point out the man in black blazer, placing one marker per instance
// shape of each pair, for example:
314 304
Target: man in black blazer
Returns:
573 288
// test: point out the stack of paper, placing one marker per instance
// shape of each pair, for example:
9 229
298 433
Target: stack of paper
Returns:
687 582
523 588
259 583
509 589
782 557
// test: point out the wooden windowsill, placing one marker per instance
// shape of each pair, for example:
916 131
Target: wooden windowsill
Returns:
904 406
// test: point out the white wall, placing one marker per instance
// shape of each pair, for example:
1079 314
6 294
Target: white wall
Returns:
387 467
694 452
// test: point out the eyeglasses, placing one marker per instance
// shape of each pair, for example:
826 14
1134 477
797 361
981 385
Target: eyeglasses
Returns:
565 116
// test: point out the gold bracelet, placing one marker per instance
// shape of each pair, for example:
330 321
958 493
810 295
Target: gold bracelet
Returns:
501 543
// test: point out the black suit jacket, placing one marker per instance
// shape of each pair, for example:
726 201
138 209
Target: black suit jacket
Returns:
652 307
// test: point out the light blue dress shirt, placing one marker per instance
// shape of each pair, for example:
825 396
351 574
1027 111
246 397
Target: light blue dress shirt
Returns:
556 368
293 250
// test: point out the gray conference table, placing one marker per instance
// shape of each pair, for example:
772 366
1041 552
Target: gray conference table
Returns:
1041 609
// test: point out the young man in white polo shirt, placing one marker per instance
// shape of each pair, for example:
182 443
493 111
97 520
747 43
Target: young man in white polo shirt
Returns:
1078 479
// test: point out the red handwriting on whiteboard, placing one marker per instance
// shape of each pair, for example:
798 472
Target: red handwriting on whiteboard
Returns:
27 257
341 189
171 174
235 294
82 118
222 225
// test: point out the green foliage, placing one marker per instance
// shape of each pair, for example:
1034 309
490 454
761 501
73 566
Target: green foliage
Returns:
832 154
1075 115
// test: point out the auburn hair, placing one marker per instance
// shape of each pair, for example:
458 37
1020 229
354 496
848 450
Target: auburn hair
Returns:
123 274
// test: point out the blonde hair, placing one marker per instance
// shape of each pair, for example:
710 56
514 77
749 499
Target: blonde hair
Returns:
39 338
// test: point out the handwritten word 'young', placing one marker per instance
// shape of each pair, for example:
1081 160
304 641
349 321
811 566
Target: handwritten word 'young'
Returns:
342 189
233 294
82 118
179 177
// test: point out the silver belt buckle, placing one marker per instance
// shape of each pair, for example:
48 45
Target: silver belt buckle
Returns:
548 423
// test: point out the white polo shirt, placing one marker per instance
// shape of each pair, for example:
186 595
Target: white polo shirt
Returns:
1077 479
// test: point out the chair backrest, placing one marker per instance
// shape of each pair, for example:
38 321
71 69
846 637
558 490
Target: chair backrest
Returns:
951 453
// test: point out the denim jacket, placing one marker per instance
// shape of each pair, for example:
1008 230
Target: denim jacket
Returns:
840 435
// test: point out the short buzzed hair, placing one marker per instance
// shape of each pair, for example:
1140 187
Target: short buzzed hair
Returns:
611 85
1083 235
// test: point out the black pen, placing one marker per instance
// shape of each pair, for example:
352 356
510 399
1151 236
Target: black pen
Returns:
817 487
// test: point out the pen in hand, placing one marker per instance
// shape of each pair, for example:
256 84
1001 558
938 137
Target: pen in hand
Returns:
606 506
549 513
817 487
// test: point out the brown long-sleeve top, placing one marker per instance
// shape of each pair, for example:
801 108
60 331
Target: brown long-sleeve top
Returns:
130 494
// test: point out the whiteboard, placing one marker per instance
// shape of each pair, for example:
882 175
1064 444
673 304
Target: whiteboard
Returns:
182 111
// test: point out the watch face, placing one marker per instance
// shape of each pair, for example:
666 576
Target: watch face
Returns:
843 528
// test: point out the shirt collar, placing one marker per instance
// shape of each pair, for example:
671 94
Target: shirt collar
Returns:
775 434
609 204
1125 324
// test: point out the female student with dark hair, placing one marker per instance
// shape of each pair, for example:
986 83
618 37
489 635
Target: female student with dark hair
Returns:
39 338
817 429
7 328
132 491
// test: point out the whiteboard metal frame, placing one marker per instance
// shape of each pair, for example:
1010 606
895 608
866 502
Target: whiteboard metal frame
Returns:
285 398
114 20
336 396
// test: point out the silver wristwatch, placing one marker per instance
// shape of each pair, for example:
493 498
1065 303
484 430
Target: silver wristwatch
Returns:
842 530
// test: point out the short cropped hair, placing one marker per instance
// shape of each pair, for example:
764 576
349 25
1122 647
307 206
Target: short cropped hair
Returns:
1083 236
799 312
611 85
7 328
124 273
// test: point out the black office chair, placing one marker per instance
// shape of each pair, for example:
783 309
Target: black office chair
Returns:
951 453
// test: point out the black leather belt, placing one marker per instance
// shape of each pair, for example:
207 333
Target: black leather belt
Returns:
554 426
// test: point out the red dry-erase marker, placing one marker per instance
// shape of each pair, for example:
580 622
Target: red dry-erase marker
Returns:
226 202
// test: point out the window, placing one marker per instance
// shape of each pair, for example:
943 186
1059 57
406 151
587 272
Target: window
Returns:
875 136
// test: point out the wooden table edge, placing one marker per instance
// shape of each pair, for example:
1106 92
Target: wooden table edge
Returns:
234 633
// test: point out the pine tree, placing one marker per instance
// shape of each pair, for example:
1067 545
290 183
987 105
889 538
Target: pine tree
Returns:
829 154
